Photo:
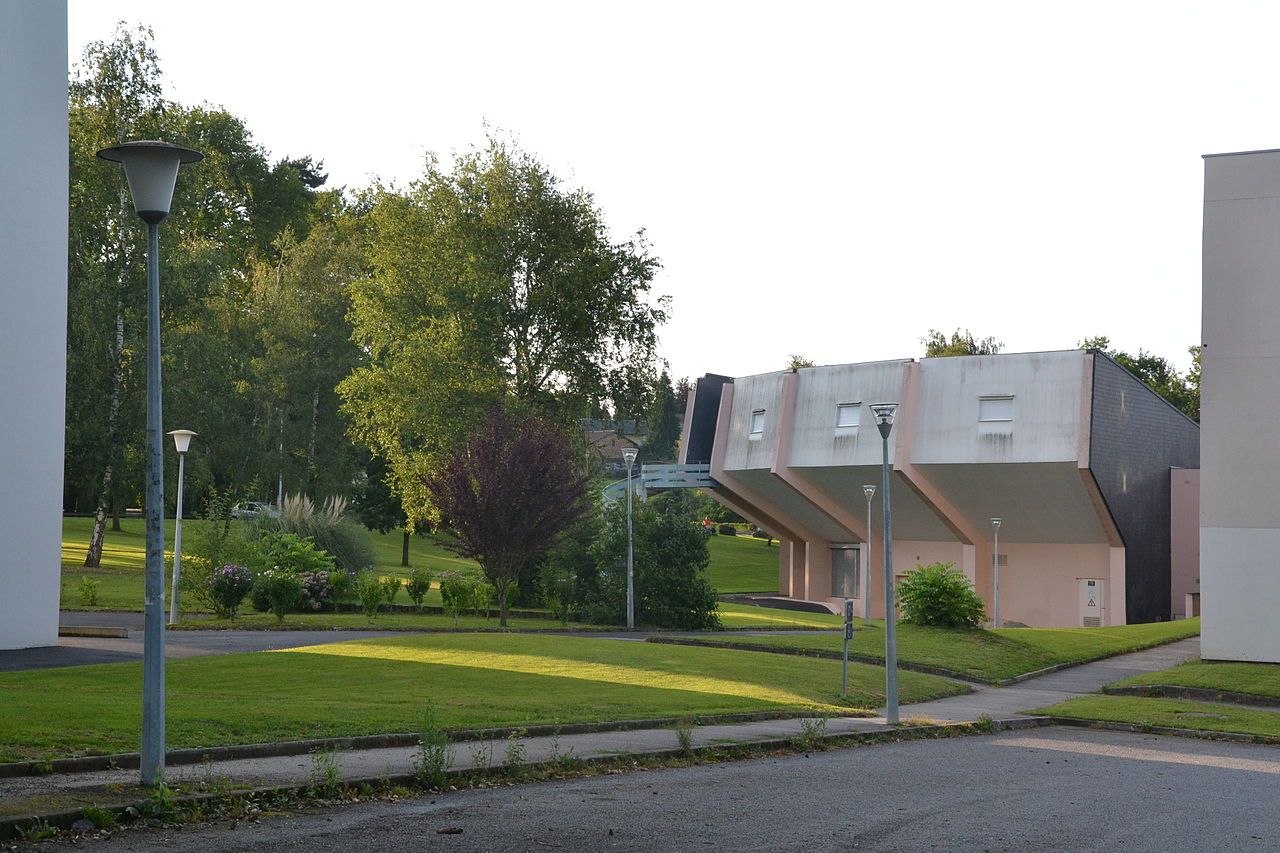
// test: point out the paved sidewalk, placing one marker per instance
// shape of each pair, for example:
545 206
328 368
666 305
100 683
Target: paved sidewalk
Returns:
58 792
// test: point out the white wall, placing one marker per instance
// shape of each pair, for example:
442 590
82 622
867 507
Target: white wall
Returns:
33 290
1240 405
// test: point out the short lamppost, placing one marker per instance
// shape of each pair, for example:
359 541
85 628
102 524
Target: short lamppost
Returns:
870 492
884 422
181 440
152 170
995 567
630 455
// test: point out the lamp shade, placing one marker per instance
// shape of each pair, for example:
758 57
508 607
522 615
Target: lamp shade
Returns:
629 454
182 439
152 170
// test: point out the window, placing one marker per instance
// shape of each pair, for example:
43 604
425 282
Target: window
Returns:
995 408
757 423
848 414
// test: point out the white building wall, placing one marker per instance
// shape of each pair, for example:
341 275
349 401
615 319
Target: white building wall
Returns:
33 290
1240 405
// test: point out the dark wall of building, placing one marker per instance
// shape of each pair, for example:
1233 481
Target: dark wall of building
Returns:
696 446
1135 438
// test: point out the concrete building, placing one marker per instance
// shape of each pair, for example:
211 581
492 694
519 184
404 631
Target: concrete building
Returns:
1240 398
1068 448
33 281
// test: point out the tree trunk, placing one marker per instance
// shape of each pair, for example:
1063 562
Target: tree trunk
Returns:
502 606
115 516
404 550
93 559
311 439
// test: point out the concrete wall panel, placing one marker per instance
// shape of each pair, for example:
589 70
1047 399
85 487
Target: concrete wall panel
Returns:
33 322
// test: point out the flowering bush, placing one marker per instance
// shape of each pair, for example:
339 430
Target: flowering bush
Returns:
227 588
317 590
281 589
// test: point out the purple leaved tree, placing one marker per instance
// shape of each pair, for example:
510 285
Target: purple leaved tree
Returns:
509 494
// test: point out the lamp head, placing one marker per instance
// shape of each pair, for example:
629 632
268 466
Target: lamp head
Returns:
996 522
182 439
884 413
869 491
152 170
629 454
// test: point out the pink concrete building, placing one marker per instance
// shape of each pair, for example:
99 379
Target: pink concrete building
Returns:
1071 451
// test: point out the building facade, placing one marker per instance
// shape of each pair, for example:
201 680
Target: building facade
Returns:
1068 449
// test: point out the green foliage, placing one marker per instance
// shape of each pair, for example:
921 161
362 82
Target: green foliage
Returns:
418 585
460 592
1159 374
670 559
227 588
215 541
293 553
328 527
559 591
89 591
960 343
390 588
98 816
491 281
664 425
279 589
435 751
797 362
939 595
371 593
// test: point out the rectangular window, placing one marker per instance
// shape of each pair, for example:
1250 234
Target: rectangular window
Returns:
757 422
995 408
848 414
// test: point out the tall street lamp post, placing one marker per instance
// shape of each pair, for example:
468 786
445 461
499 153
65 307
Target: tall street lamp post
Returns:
181 440
884 422
870 492
630 455
995 567
152 170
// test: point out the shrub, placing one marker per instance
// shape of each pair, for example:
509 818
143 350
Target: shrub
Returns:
371 593
558 593
390 587
227 588
294 553
328 527
280 589
458 592
728 530
940 595
89 591
418 586
317 590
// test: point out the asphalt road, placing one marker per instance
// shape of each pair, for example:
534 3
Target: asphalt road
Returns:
1039 790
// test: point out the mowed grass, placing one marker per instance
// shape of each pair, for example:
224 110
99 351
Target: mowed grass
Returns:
384 685
1258 679
773 618
989 655
1175 713
742 564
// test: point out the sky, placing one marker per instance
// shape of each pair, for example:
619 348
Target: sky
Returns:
831 180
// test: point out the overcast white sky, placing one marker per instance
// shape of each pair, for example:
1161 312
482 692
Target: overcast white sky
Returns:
829 179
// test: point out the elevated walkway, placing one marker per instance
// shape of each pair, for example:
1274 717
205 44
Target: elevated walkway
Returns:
661 477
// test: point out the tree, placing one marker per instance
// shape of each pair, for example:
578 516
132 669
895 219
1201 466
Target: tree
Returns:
490 282
509 494
795 362
664 424
937 344
1159 374
670 561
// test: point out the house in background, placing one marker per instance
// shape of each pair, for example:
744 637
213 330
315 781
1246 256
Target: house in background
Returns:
609 445
1070 450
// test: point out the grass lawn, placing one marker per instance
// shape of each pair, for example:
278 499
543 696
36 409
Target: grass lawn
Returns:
738 564
742 564
380 686
1175 713
751 616
1260 679
990 655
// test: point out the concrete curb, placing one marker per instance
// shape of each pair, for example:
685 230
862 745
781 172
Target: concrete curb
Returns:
1195 694
92 631
181 757
9 827
1134 728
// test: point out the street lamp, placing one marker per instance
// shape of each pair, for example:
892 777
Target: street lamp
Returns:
630 455
152 170
870 492
181 440
884 422
995 567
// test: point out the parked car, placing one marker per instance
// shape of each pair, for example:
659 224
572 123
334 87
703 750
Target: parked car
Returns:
254 509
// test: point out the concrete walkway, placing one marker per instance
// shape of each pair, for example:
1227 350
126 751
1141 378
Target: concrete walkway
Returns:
22 796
